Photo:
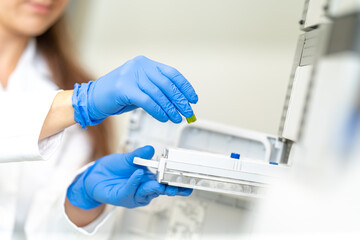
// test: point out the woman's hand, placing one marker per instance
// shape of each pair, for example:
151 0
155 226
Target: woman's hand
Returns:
159 89
115 180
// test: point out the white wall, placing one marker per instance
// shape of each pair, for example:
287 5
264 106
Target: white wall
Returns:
236 53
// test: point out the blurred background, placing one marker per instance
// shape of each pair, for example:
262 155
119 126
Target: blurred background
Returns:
236 53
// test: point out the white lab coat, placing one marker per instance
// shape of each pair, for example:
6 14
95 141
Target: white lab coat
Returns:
32 193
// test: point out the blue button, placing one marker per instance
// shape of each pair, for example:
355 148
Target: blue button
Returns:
235 155
274 163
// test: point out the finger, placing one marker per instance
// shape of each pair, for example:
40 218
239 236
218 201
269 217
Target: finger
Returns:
146 152
122 164
171 190
119 164
179 80
171 91
133 183
174 75
144 101
184 191
158 96
148 191
127 109
148 176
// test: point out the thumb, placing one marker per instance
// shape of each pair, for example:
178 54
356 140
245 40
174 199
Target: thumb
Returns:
133 183
146 152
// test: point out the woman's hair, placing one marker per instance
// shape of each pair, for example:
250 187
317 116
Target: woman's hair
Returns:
55 47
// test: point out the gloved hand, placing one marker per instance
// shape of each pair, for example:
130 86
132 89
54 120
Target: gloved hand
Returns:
115 180
159 89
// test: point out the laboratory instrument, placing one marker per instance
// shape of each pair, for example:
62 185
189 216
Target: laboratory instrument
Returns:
314 145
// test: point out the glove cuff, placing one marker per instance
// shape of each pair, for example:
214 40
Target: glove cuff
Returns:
78 195
82 107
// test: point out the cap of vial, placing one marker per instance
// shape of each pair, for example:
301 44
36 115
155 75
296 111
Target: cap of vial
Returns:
235 155
191 119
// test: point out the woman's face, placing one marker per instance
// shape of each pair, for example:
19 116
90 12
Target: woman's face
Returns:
30 17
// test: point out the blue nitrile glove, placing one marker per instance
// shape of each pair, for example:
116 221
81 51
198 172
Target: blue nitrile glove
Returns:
159 89
115 180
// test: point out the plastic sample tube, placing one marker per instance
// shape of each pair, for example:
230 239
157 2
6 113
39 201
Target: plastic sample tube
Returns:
191 119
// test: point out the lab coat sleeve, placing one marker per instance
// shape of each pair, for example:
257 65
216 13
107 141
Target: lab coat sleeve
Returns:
21 119
48 219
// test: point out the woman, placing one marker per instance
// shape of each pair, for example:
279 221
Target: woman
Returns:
45 199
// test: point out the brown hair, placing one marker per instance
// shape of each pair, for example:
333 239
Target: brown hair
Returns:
55 47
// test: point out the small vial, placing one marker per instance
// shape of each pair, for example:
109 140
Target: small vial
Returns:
191 119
